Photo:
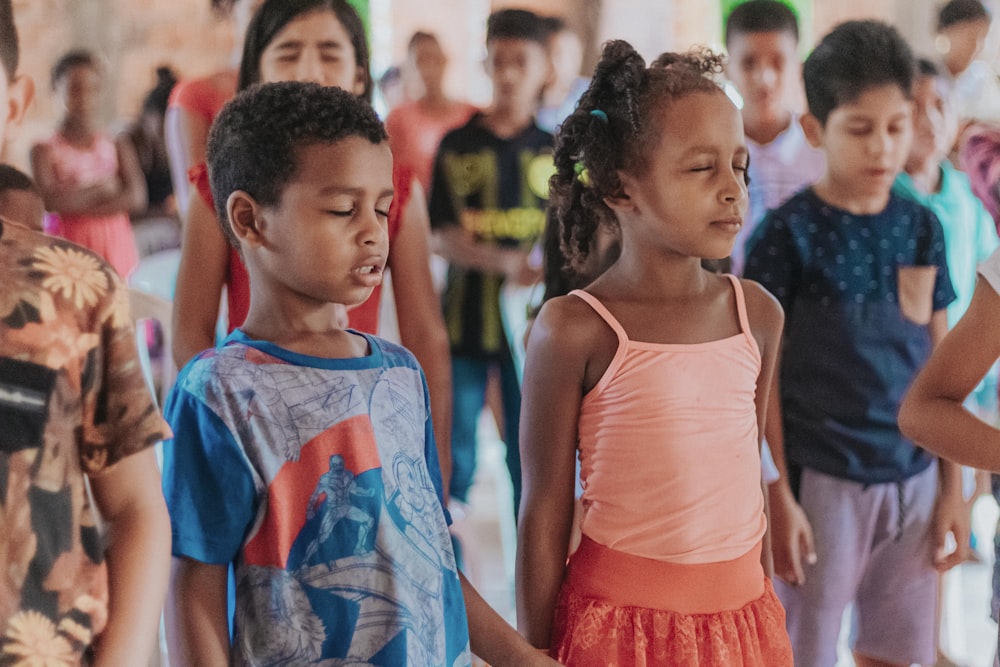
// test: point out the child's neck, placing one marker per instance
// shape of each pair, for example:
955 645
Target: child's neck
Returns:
77 130
658 277
507 122
845 198
557 93
764 130
926 175
307 329
434 99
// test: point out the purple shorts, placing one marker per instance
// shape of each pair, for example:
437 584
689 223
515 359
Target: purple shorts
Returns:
873 548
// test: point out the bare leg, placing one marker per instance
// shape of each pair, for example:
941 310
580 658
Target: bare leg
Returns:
865 661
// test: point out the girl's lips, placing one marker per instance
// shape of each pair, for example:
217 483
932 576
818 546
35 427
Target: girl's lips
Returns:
729 224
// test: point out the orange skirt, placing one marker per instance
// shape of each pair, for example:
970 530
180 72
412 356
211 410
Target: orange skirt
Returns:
629 611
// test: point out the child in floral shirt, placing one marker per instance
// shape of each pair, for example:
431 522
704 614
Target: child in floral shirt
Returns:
73 407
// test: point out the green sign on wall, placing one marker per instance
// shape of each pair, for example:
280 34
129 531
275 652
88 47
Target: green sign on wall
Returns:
364 11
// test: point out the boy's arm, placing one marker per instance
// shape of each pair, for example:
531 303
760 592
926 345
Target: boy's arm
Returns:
461 247
492 639
951 512
129 499
195 617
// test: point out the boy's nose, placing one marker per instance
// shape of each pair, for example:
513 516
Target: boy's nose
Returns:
879 143
767 76
372 231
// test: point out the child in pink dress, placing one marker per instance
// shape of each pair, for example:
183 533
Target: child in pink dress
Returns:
657 377
89 181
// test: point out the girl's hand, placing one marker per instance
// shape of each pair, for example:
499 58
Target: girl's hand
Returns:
950 517
791 536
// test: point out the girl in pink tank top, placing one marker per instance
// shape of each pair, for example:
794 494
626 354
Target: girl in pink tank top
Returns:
656 377
89 181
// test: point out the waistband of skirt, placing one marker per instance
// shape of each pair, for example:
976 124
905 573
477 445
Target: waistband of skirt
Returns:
625 580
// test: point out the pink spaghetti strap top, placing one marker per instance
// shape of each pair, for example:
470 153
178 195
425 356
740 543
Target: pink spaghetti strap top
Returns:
668 446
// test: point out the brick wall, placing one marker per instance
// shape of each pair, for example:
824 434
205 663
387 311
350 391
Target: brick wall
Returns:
135 36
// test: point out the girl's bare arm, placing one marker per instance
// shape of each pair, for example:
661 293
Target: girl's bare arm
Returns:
932 413
558 349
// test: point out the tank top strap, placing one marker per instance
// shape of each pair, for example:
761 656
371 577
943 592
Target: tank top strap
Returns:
741 309
620 353
604 313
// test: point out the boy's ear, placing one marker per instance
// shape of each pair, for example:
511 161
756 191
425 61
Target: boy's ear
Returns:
813 129
244 217
20 93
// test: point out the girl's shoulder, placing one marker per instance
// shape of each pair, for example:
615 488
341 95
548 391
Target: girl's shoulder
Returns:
570 310
570 338
572 323
764 312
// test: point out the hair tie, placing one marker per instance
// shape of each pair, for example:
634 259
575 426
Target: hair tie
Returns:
597 113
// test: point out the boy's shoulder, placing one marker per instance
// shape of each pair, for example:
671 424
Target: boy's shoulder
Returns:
465 133
239 356
806 205
475 135
803 205
75 279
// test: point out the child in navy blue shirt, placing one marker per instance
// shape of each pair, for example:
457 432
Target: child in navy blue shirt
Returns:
860 513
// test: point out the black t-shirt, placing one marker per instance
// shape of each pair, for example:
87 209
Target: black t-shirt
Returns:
497 188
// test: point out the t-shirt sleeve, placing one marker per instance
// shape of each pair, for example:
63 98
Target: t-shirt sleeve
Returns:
121 417
990 270
440 205
194 96
933 254
207 483
772 259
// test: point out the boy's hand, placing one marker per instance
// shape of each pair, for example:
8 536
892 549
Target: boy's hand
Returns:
951 516
791 536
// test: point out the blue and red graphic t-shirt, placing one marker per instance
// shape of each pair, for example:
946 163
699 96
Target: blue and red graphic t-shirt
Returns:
318 480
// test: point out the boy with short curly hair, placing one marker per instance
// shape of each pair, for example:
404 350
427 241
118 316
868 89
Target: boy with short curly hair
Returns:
304 453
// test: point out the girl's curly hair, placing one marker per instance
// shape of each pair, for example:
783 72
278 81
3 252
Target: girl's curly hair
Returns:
614 128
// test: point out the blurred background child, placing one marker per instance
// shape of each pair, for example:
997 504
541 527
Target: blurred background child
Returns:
90 182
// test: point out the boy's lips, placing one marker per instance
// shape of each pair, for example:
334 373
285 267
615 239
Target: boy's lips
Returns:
369 273
880 173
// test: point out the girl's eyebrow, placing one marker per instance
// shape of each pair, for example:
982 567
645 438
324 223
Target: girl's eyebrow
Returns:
292 43
711 150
